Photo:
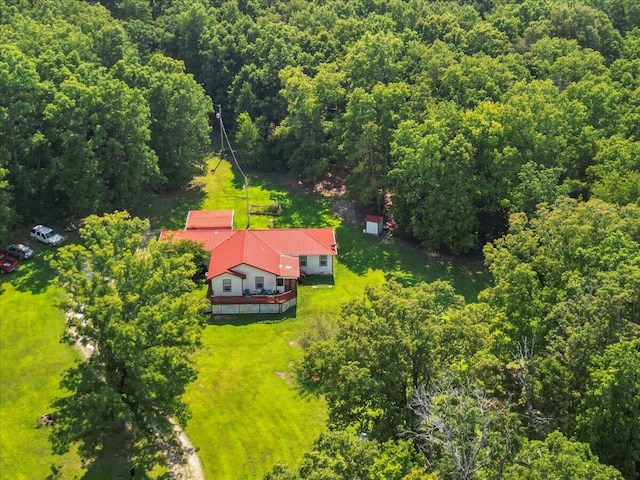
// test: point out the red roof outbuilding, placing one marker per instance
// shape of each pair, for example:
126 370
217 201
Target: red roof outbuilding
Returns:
209 220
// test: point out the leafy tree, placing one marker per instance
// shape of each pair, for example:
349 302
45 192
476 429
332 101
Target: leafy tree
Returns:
610 418
433 178
99 133
303 133
568 278
339 455
562 61
248 141
373 59
22 98
616 170
537 185
486 38
180 121
589 26
624 14
390 342
367 125
558 458
601 97
133 306
6 212
111 44
477 78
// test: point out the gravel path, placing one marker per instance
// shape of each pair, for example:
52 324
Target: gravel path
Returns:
186 466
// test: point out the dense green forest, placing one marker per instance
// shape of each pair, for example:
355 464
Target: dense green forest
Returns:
508 126
453 115
552 346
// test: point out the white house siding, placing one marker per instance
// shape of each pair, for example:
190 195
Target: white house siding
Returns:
252 273
374 228
218 289
239 285
313 266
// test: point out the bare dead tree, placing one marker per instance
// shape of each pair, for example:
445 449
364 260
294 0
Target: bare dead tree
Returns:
464 425
524 371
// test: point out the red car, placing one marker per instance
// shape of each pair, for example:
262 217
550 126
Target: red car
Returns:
7 264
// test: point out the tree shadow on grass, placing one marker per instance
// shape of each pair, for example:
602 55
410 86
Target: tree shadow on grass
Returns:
33 275
110 467
409 263
318 280
114 460
360 252
242 320
169 209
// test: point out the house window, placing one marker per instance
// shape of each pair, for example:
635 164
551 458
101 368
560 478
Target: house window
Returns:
303 260
226 284
280 282
259 283
323 260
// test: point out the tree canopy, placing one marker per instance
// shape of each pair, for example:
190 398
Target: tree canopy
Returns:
550 346
86 123
132 306
449 116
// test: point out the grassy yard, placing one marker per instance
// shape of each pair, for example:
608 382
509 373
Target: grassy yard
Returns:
247 414
31 362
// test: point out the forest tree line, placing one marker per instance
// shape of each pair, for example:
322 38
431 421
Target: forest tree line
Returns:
87 124
457 114
540 378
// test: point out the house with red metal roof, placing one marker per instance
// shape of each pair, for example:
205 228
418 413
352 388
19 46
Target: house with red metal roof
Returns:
257 271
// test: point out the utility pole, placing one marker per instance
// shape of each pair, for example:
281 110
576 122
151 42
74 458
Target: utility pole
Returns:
246 191
219 117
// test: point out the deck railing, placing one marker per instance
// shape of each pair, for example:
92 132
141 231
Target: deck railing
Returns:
252 299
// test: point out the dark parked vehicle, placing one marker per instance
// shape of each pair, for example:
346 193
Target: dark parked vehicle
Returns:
7 264
20 251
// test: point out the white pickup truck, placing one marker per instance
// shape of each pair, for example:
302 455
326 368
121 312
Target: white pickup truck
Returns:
46 235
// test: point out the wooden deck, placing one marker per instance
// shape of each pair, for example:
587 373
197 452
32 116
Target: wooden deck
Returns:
276 298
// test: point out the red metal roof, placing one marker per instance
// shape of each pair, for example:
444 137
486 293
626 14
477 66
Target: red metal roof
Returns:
373 218
299 241
210 239
244 247
209 220
273 250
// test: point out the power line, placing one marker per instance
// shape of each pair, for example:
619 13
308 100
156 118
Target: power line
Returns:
223 131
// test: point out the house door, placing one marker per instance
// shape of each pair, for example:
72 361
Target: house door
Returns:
290 284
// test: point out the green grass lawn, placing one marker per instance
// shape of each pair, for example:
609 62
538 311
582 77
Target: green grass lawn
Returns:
31 362
247 413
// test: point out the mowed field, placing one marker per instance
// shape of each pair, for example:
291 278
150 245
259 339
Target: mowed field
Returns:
247 411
